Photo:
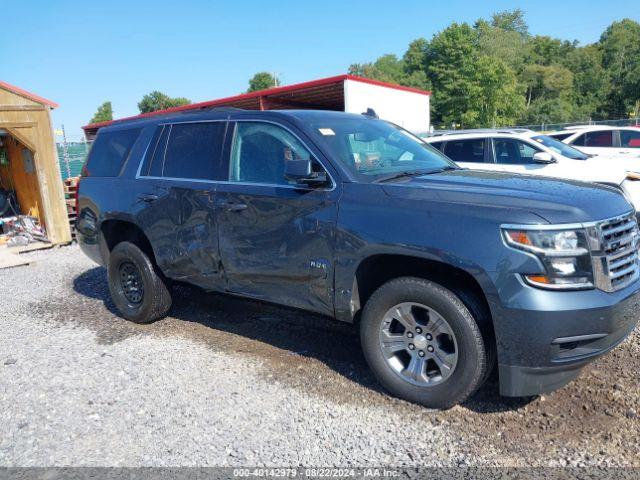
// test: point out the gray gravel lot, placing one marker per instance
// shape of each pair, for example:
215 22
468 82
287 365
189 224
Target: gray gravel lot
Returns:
225 381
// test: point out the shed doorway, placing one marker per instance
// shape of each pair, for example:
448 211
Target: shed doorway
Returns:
19 191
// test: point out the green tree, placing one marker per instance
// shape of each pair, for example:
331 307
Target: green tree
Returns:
511 21
451 60
389 68
507 45
544 50
542 81
262 81
497 96
590 82
156 100
620 46
415 58
414 64
103 114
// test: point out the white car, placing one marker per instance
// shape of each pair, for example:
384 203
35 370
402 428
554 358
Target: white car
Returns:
602 140
527 152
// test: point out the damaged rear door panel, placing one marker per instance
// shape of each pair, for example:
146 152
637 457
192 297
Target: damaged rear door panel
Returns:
178 195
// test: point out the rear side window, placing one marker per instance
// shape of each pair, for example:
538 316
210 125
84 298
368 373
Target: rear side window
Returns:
186 150
194 150
437 145
110 151
471 150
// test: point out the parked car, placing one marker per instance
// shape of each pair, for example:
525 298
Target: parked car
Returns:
602 140
445 271
525 151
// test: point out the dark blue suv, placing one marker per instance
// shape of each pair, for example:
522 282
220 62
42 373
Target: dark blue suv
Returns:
446 271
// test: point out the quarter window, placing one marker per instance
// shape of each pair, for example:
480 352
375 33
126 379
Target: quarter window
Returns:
260 151
630 139
110 151
465 150
513 152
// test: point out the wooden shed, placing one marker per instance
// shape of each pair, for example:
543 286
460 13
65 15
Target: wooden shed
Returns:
29 160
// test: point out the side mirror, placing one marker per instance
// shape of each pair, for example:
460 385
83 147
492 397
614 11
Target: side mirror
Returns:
300 171
543 157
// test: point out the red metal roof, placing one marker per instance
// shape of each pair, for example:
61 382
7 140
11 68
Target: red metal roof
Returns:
29 95
323 93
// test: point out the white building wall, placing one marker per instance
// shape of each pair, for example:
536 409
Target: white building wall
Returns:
407 109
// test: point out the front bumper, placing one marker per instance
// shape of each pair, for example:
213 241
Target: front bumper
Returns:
545 338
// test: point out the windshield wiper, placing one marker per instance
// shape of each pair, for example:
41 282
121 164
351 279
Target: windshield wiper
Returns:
413 173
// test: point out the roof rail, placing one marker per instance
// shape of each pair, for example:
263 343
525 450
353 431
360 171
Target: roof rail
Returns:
216 109
578 127
438 133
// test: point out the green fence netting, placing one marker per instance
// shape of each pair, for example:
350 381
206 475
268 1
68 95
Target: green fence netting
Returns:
76 153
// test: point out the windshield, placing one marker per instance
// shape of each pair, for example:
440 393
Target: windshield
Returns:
371 149
561 148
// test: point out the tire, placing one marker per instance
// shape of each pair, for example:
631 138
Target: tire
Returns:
482 317
138 290
459 337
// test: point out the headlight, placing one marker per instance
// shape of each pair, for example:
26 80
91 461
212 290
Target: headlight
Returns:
564 253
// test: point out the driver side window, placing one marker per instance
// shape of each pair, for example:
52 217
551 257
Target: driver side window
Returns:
260 151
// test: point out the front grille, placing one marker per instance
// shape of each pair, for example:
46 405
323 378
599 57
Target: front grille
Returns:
618 238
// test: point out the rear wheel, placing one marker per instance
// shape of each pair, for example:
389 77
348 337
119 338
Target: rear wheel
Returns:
138 291
422 343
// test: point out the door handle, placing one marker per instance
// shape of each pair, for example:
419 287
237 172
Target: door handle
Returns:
233 207
148 197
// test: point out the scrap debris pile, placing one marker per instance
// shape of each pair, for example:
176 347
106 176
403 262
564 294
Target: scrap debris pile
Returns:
21 230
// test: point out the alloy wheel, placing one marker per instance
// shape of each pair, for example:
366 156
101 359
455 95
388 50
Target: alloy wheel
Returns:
418 344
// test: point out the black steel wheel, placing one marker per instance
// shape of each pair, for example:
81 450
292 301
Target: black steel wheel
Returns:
137 288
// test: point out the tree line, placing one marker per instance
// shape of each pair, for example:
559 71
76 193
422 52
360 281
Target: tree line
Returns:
496 73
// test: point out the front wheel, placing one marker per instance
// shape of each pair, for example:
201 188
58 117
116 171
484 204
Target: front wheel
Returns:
422 343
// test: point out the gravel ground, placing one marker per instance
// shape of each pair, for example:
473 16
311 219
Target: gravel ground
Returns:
226 382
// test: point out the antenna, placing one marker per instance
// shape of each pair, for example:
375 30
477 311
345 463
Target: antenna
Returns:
370 113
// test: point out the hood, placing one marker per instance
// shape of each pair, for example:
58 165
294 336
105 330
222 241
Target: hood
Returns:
554 200
628 163
601 170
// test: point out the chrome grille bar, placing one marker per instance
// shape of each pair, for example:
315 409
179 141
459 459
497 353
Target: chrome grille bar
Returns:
618 258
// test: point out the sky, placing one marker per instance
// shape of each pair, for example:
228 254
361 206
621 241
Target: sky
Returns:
82 53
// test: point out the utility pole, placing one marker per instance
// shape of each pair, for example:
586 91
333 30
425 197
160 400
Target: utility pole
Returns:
65 152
